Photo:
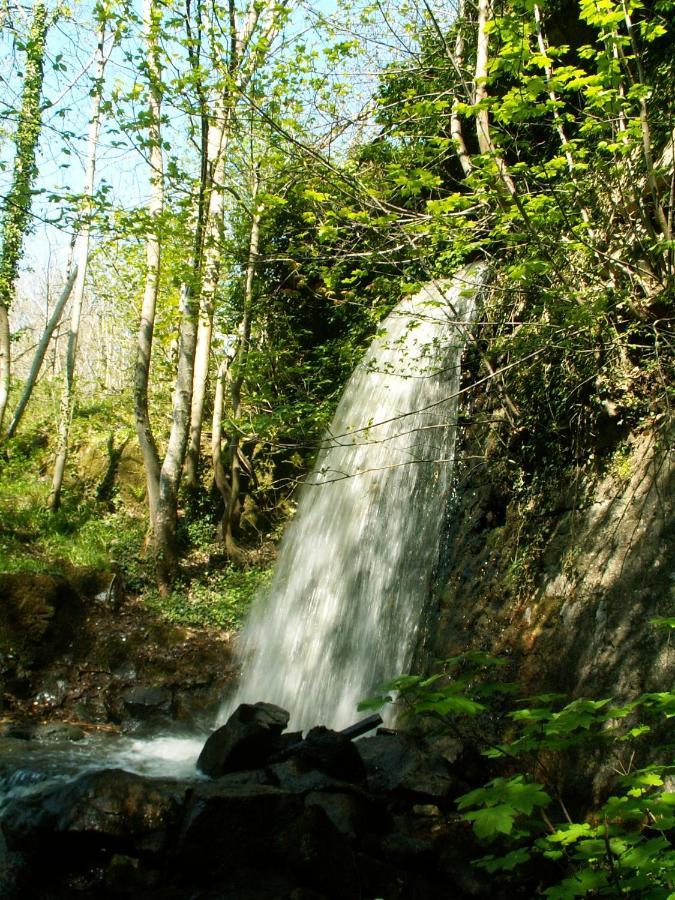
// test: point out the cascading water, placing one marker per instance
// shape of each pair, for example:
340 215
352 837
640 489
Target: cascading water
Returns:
353 574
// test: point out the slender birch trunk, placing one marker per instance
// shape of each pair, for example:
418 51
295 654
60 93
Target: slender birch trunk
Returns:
81 256
213 242
146 439
483 132
456 130
166 517
220 478
17 203
232 514
41 351
198 297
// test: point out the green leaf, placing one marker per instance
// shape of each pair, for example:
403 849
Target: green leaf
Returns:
505 863
569 834
487 823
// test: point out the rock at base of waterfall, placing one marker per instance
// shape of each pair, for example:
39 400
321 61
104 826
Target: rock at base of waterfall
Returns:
397 765
112 803
247 740
332 753
147 701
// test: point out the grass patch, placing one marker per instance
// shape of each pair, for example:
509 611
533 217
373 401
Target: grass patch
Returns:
219 599
82 534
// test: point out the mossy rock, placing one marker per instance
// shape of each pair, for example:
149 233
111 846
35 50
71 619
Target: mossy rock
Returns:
39 614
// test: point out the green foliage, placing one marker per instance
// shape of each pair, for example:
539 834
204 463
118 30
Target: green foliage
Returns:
582 241
218 599
80 534
622 845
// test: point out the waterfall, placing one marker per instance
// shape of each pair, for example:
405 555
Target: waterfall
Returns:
354 568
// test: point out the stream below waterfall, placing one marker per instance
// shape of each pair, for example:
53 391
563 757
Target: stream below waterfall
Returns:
27 767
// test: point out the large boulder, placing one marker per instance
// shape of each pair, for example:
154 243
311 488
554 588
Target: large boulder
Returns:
248 739
112 804
398 766
330 752
230 825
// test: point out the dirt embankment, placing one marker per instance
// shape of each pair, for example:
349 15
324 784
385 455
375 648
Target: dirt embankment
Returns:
77 649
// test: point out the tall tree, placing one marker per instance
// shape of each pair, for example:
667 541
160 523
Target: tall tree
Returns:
232 494
81 259
17 203
249 41
146 439
247 48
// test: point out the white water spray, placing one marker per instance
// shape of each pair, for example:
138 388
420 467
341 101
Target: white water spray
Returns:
353 575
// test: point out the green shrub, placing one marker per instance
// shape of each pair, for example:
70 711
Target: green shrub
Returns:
620 846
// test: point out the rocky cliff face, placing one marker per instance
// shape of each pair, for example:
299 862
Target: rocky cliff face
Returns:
562 574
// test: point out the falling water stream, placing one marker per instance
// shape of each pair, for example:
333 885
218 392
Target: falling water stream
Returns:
352 579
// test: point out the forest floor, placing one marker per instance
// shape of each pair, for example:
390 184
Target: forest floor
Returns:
84 635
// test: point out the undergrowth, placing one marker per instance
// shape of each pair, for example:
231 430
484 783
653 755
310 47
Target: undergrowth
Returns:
88 534
220 599
582 798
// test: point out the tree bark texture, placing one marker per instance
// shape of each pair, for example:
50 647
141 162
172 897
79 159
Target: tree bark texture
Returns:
232 513
144 432
166 518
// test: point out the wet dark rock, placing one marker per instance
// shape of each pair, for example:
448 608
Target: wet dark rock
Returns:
246 741
351 813
453 848
58 731
63 653
296 775
249 776
396 764
324 818
21 731
379 878
332 753
227 825
319 855
147 701
112 804
406 850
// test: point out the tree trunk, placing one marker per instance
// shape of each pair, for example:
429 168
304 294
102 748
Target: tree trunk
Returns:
232 514
263 19
456 130
81 263
17 203
266 17
483 133
41 352
213 241
164 534
146 439
220 479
